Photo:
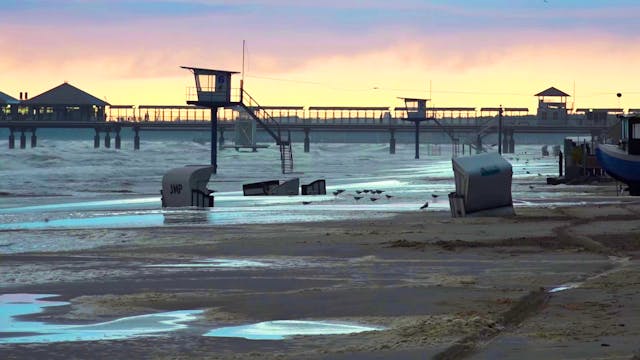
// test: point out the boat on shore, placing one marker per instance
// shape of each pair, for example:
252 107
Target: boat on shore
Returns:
622 161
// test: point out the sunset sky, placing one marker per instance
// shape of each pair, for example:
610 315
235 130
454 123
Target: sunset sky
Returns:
361 53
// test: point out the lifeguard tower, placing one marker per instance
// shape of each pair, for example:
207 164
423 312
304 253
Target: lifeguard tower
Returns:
214 90
552 106
416 113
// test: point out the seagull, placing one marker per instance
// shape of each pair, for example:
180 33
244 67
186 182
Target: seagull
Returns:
340 191
528 172
435 196
531 187
426 205
539 174
379 191
366 191
357 197
373 199
358 192
336 193
306 202
388 196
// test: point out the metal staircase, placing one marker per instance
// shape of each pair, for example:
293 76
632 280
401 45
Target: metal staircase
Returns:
271 126
487 128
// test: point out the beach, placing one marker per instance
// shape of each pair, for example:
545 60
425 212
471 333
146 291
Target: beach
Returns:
92 266
440 287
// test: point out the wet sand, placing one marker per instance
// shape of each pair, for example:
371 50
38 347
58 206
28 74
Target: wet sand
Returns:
443 288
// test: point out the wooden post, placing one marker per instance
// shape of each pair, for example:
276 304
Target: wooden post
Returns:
136 138
392 141
34 139
12 139
307 145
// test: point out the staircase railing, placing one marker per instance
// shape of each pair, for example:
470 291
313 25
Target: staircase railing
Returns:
271 126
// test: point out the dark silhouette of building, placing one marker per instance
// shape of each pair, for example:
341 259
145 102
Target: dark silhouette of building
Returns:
65 103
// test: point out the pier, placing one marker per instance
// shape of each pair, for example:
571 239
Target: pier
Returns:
66 107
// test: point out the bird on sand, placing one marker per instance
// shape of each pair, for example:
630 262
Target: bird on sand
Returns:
338 192
373 199
531 187
366 191
306 202
426 205
358 192
435 196
357 197
379 191
388 196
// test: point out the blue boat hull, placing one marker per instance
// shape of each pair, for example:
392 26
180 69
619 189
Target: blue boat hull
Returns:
620 166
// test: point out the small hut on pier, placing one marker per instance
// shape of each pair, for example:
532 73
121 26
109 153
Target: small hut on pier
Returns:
65 103
552 106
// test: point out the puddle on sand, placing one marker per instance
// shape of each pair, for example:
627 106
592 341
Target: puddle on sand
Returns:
281 329
564 287
12 305
215 263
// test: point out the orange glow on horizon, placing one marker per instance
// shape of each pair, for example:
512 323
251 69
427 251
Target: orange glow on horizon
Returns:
508 77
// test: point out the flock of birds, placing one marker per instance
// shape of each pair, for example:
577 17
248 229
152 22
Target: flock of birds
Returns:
374 195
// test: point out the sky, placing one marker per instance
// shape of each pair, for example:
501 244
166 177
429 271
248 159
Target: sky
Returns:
330 52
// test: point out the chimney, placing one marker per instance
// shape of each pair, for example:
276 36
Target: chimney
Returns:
20 95
25 95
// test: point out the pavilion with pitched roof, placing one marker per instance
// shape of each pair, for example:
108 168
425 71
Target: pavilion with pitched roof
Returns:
552 105
66 102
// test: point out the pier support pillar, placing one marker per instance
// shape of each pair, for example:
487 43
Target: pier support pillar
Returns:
23 140
478 144
417 123
12 139
34 139
118 140
96 139
136 139
107 140
512 142
306 140
221 140
392 141
505 141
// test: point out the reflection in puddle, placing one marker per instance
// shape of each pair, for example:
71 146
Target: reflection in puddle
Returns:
217 263
12 305
280 329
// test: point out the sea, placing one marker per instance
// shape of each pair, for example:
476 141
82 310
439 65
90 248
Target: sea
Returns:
67 184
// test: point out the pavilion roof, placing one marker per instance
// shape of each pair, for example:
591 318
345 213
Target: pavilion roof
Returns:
552 91
8 99
65 94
